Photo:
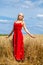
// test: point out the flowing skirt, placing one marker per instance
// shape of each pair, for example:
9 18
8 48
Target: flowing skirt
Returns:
18 45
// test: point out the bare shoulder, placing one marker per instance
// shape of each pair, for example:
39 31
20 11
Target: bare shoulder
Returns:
23 22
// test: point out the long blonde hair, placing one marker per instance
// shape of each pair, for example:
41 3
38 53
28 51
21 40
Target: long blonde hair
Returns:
21 15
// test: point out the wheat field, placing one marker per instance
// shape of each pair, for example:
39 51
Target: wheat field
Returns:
33 49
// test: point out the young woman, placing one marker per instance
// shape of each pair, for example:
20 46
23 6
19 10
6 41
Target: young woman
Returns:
18 44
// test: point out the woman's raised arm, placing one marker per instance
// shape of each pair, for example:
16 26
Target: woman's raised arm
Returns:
26 30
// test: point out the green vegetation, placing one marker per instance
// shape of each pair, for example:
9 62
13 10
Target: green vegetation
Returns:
3 34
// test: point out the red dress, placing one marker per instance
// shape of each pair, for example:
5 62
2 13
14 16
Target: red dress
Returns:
18 44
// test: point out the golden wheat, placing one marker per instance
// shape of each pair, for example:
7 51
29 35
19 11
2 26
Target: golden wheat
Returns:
33 49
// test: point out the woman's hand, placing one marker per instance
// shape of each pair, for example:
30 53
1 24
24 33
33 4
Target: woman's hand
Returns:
9 34
32 36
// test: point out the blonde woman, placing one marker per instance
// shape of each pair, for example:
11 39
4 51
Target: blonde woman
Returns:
18 44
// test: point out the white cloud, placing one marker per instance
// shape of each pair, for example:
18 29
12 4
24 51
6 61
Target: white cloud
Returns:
39 25
40 15
10 1
27 4
30 4
4 20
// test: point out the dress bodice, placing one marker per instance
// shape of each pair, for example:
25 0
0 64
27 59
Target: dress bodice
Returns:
17 26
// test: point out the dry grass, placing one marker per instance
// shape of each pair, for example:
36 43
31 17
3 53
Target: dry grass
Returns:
33 51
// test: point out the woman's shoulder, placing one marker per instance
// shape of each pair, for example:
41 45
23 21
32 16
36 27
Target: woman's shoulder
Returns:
23 22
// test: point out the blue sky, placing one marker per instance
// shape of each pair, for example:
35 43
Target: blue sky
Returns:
32 10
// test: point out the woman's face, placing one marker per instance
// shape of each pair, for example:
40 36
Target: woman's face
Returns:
20 17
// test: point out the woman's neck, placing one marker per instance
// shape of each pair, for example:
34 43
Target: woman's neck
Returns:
19 20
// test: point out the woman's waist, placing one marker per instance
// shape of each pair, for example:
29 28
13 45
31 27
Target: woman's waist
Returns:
17 29
18 32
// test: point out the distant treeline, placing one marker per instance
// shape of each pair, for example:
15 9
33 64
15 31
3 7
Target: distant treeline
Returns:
3 34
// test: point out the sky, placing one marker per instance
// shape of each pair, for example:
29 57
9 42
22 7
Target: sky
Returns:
33 15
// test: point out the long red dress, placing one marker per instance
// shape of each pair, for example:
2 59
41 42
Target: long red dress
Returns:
18 44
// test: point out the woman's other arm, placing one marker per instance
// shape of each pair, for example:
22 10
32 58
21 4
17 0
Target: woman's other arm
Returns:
10 33
26 30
